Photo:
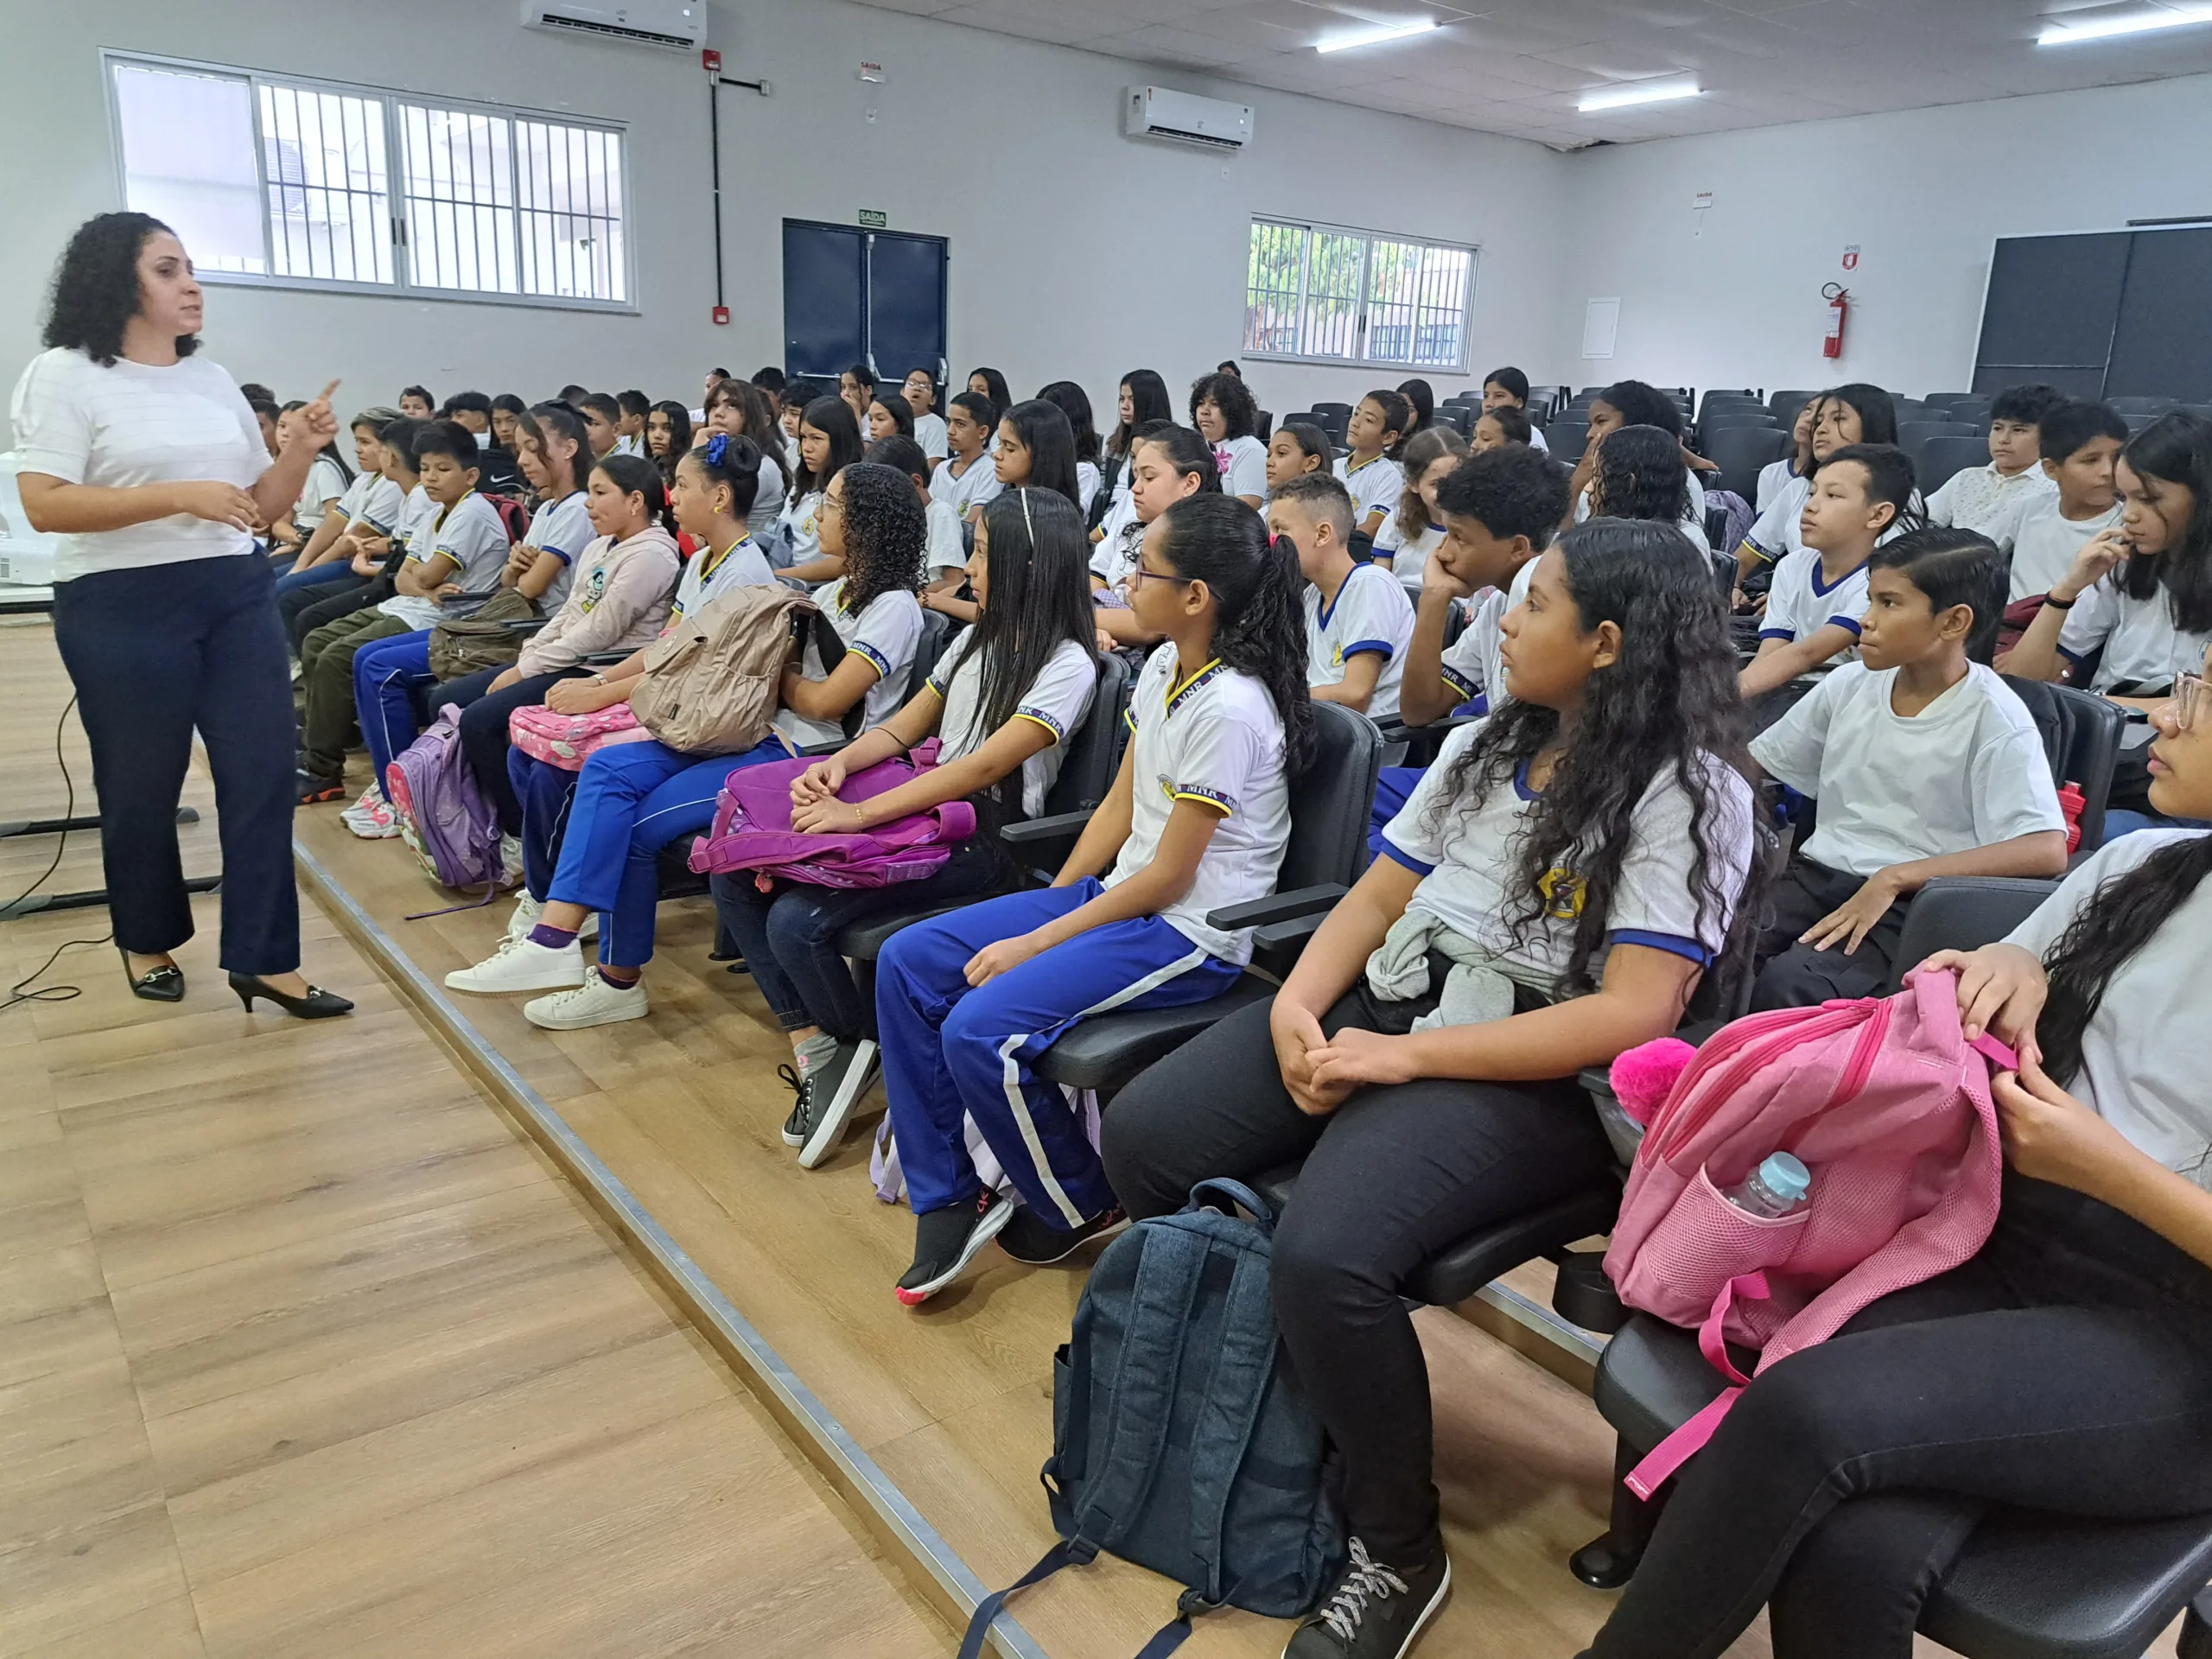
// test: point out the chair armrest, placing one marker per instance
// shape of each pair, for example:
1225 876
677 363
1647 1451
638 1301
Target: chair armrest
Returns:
1061 826
1280 941
604 658
1278 907
525 624
817 751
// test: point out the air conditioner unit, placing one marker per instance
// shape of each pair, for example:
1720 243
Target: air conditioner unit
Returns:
1155 112
671 25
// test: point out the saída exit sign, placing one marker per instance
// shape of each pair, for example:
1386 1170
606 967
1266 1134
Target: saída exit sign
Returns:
874 218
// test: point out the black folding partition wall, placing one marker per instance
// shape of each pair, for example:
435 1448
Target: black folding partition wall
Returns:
2108 313
870 297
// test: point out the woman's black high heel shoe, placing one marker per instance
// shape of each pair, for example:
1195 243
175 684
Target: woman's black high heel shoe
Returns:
317 1004
163 984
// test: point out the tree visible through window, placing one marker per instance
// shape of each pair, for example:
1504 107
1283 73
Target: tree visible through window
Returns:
1316 291
313 183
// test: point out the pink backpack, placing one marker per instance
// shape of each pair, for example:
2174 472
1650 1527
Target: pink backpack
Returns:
1885 1102
752 830
567 740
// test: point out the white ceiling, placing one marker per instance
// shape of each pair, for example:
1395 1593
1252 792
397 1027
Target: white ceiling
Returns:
1518 66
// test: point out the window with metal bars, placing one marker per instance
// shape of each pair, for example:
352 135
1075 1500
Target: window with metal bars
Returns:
316 184
1320 293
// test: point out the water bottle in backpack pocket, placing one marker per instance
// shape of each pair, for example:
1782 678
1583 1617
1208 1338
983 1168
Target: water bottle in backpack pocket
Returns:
1180 1442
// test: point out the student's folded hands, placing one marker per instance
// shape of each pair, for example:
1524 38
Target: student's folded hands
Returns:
1852 920
1353 1059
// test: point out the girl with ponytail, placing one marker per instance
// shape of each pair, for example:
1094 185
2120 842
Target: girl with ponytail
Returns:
2067 1366
1197 819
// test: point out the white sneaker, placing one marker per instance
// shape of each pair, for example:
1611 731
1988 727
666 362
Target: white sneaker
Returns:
597 1001
521 965
371 797
528 912
377 823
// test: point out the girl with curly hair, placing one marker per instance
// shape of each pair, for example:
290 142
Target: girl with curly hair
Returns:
1583 855
150 465
1197 818
2066 1367
631 799
1226 416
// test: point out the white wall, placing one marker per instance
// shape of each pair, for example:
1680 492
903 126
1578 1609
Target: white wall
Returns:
1075 252
1924 193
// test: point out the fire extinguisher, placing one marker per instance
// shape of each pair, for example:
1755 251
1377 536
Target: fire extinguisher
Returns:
1839 299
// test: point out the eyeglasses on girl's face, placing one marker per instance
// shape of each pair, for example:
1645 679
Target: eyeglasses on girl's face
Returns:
1139 576
2192 703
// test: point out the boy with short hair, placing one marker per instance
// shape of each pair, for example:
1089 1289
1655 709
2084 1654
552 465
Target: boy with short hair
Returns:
2080 444
967 480
448 570
1358 621
631 409
1992 500
919 390
497 471
603 422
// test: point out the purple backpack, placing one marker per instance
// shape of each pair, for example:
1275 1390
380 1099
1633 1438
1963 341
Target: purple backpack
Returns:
443 816
753 829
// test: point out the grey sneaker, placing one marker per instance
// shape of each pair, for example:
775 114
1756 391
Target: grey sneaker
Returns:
1375 1611
838 1086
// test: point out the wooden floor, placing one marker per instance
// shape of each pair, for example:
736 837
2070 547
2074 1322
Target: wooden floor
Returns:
305 1351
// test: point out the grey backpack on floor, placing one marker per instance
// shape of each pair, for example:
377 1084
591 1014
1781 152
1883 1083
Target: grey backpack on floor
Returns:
1180 1442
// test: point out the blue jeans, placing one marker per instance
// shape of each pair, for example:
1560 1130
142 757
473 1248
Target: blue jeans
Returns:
317 576
950 1051
386 673
593 838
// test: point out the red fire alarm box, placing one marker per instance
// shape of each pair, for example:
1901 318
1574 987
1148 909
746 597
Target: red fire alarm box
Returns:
712 60
722 314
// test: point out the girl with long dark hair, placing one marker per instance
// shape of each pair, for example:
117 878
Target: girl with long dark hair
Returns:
738 409
668 437
1005 698
2066 1368
1197 818
149 466
1075 402
1036 449
828 442
1584 855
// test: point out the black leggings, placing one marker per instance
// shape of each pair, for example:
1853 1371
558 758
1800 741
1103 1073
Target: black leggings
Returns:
1794 976
484 729
1391 1176
2068 1368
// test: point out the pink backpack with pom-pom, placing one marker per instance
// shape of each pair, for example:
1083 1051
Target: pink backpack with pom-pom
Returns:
1887 1104
753 832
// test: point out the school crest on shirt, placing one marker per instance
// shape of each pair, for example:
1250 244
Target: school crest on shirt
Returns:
1563 892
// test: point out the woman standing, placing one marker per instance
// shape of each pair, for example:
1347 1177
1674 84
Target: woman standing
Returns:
148 464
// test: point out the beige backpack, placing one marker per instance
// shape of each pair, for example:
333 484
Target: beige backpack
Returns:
712 683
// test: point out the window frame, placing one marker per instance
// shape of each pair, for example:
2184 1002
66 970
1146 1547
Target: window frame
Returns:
388 99
1363 325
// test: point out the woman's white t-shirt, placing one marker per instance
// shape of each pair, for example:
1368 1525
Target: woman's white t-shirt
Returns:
326 483
1375 486
801 524
929 432
1244 468
1058 700
886 633
742 565
2147 1050
1087 480
130 425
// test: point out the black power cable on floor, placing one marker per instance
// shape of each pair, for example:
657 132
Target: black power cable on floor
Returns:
17 993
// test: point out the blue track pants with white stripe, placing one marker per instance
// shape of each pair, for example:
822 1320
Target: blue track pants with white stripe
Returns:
951 1050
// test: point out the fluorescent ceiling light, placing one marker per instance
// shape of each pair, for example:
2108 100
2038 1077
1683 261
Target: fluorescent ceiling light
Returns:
1376 36
2140 22
1622 98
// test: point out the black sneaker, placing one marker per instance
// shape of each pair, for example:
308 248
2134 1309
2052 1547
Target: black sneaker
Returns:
1029 1237
1374 1612
314 789
946 1241
838 1084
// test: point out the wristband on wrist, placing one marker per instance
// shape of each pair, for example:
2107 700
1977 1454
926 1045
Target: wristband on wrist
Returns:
2057 604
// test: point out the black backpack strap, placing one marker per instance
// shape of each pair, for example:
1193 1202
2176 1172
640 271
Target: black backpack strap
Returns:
1067 1552
1241 1371
1123 1468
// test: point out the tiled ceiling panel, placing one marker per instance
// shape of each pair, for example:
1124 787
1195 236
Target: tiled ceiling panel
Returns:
1521 67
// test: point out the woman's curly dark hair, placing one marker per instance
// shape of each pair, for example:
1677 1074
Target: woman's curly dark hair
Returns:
96 289
1669 700
2117 920
1240 412
1640 475
1260 621
886 533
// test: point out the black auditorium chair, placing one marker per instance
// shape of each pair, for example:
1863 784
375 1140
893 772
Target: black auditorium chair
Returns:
1938 459
1945 400
1741 451
1567 436
2140 405
1087 771
1328 850
1913 435
1785 405
2082 737
2028 1584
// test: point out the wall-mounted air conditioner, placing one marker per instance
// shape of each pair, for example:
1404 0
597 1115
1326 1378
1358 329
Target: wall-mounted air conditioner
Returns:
1155 112
671 25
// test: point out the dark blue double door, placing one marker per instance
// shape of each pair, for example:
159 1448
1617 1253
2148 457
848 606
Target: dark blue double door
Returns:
863 296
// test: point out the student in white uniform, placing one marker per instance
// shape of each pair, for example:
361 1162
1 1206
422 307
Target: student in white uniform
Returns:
1140 400
1358 621
738 409
1858 494
1580 889
1074 403
1197 819
1295 448
1778 475
2080 445
965 479
1993 498
888 417
370 506
631 799
1858 413
1495 428
1413 531
1171 464
828 442
1374 441
1638 474
919 390
1005 699
945 565
1036 450
327 477
1631 403
1924 763
1508 388
1223 410
636 406
2140 593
